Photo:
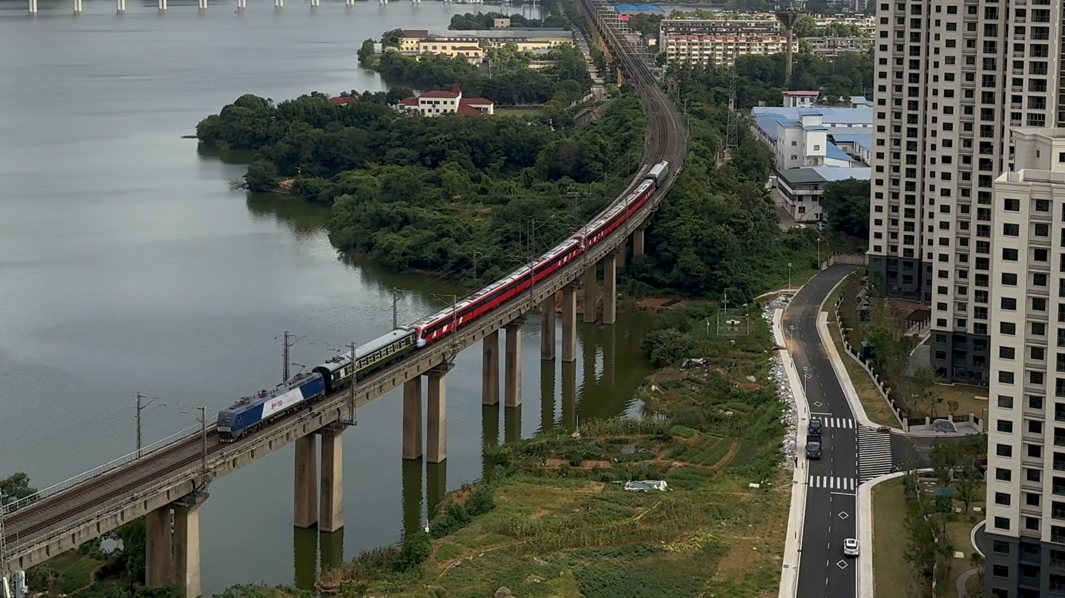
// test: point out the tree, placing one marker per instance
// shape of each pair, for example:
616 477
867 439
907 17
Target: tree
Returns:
945 456
16 487
261 176
846 206
366 51
391 38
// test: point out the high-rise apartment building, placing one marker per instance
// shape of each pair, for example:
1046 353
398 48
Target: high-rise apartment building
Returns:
1025 555
950 79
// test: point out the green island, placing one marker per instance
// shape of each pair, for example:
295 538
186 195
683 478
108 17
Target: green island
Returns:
454 196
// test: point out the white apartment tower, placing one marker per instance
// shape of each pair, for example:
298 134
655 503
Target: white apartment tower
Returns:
1025 551
950 79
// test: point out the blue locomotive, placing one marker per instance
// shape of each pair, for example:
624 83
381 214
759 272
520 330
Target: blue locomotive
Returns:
255 411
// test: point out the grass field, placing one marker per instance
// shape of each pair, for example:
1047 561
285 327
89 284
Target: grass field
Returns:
561 524
876 407
971 399
891 572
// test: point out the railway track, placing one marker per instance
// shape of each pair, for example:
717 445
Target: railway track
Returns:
667 140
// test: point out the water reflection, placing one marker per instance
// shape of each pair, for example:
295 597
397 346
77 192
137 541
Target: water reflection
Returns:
332 549
569 395
305 553
547 395
489 437
435 486
512 423
412 496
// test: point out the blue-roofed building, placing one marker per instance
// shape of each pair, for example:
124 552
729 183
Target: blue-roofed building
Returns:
857 145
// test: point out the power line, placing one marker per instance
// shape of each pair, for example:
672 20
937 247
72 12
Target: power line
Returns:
140 407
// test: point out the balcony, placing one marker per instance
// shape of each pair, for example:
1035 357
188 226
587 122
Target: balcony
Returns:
1020 20
1017 55
1017 88
1015 105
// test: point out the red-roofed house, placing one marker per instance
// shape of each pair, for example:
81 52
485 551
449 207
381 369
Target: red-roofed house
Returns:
434 103
343 99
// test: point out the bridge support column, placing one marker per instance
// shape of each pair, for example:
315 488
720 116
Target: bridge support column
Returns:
187 543
436 422
490 370
512 376
120 5
159 548
569 324
331 510
162 4
305 506
637 243
77 6
590 296
412 419
33 7
610 289
547 329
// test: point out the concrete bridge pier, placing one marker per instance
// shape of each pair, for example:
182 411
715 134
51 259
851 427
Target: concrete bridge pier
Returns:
436 421
331 509
490 369
77 6
610 288
33 7
547 329
316 3
412 419
512 375
637 242
279 4
172 545
569 324
590 307
162 4
305 505
202 4
120 5
242 4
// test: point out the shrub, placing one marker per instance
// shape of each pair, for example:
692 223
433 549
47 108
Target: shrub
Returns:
417 548
480 502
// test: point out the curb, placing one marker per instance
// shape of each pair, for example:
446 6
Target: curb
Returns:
972 536
789 573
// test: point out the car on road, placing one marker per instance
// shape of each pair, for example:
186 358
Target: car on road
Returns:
850 547
815 425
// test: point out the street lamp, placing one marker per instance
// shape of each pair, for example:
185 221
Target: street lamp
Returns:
818 253
789 276
806 375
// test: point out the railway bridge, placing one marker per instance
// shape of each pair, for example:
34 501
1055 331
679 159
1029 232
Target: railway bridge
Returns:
168 483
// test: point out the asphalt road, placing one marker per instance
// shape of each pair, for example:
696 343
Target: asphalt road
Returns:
831 505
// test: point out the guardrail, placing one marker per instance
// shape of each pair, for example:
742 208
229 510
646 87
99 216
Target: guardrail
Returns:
99 470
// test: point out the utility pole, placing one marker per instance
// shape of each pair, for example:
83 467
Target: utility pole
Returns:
288 345
203 443
285 356
395 316
140 407
352 419
4 592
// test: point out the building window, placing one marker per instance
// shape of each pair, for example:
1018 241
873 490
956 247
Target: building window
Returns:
1005 402
1005 426
1004 450
1001 498
1000 570
1002 523
998 545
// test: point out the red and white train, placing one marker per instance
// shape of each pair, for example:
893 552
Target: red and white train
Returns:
256 411
519 281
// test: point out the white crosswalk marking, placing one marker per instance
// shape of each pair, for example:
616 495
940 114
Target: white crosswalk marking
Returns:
836 422
832 483
874 453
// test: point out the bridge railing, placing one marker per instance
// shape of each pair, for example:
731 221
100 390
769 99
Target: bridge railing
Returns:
99 470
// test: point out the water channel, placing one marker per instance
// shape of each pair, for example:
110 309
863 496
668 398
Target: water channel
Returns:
127 265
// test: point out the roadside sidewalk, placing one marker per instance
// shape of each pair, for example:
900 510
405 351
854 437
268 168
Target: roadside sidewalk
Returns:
789 574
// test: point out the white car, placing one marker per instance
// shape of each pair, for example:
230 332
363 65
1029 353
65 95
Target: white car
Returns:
850 547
